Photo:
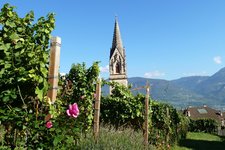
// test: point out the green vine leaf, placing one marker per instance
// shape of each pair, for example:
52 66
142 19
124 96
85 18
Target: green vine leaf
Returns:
39 93
24 59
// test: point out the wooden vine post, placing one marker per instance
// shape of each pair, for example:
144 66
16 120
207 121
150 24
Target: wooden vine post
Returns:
54 68
97 110
146 116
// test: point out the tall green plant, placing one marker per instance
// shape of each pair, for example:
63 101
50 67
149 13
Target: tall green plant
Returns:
168 125
122 108
24 52
83 91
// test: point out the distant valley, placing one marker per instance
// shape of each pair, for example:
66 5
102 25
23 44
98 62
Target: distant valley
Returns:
186 91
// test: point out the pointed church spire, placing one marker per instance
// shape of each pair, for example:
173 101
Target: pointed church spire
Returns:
117 60
117 41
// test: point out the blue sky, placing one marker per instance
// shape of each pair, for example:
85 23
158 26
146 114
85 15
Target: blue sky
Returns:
165 39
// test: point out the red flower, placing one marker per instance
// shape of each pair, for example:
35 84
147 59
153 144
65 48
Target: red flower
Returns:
49 124
73 110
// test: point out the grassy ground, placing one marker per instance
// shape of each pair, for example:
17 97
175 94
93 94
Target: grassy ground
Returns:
130 140
127 139
201 141
110 139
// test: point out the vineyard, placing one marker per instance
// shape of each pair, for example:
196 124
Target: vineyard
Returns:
29 119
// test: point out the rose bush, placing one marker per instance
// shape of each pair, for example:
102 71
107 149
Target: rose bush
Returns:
28 118
82 81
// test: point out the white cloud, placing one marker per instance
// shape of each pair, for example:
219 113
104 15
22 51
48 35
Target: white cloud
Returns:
217 59
154 74
104 69
203 73
62 73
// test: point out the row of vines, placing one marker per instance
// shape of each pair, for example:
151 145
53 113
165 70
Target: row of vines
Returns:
28 119
122 109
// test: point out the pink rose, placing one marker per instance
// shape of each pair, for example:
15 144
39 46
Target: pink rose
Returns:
168 146
73 110
49 124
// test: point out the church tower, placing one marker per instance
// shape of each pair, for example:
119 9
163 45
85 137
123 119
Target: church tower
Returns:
117 59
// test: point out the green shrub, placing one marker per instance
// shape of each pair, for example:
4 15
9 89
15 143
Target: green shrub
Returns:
66 131
121 108
83 91
203 125
168 125
24 52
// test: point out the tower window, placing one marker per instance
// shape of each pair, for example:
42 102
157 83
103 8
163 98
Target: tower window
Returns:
118 68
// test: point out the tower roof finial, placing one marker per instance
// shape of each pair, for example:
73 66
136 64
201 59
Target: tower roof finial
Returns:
116 17
117 42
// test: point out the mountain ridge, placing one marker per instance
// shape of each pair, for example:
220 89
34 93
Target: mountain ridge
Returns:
186 91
